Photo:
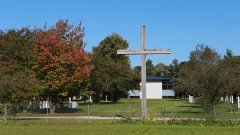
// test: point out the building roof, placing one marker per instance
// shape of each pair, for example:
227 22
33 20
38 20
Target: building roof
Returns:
157 79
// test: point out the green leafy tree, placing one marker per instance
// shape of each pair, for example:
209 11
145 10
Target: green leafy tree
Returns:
150 69
203 76
174 69
229 54
162 70
112 75
17 81
137 72
231 65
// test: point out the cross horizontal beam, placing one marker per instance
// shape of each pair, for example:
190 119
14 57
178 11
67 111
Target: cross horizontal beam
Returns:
145 51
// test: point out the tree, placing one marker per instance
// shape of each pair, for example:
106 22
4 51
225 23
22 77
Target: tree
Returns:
174 68
162 70
137 72
203 76
150 69
112 75
62 64
231 65
158 70
229 54
17 81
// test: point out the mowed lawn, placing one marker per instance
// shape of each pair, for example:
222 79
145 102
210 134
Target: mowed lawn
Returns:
107 127
174 108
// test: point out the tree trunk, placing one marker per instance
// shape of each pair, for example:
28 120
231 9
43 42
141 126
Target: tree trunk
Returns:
96 98
52 108
115 98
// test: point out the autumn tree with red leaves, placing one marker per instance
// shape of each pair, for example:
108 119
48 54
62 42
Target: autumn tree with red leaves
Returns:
61 61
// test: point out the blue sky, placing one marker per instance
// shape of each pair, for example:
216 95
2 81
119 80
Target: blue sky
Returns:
176 24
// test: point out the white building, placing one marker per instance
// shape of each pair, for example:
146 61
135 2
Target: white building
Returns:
156 88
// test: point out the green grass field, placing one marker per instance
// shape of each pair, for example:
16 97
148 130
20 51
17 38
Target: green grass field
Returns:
174 108
107 127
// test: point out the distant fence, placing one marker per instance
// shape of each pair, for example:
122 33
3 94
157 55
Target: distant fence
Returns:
126 109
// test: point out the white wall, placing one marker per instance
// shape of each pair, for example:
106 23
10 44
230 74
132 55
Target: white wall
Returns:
153 90
168 93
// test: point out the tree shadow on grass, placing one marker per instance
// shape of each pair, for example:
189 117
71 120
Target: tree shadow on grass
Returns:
176 99
191 106
108 103
59 110
38 111
191 112
68 110
182 112
100 103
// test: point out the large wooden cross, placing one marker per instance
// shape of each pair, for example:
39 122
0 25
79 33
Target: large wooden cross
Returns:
144 52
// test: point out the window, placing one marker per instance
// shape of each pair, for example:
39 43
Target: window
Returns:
166 85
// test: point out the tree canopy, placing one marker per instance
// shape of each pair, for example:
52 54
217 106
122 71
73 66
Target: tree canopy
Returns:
17 81
62 64
206 76
112 75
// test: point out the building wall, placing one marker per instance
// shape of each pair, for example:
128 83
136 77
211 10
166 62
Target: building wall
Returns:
168 93
153 90
134 93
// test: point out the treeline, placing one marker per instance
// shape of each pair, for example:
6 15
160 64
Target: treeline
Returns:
51 63
208 76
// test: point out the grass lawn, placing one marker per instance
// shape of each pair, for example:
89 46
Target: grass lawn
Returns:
156 108
106 127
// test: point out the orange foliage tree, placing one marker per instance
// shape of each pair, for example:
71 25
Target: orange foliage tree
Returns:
61 61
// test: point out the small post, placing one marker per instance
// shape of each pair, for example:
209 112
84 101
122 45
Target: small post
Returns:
47 109
5 113
69 102
232 99
88 112
238 102
106 98
90 99
214 110
34 103
129 107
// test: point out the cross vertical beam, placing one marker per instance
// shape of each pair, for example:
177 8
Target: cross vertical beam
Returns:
144 52
143 71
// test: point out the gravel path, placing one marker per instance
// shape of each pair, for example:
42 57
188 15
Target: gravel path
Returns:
111 118
70 117
98 118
